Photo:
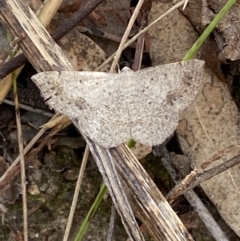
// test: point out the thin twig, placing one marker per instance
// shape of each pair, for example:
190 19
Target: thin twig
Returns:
125 35
129 42
6 51
220 154
29 108
198 176
62 30
195 201
101 34
76 193
50 124
140 42
21 154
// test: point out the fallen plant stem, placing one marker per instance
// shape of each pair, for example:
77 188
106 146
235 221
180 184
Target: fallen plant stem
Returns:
140 42
198 176
29 108
100 196
62 30
129 42
22 162
98 200
125 35
45 13
194 200
76 193
111 223
12 169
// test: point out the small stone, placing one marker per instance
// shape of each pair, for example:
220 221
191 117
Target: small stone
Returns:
33 190
44 187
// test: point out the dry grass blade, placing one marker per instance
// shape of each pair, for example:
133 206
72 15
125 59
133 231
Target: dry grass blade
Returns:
51 124
75 197
111 223
50 8
140 42
106 165
58 33
21 154
125 36
185 4
129 42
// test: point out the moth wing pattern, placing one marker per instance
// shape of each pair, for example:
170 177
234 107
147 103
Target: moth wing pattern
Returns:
67 92
112 108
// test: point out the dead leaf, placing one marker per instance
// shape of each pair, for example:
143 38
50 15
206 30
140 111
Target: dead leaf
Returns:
213 122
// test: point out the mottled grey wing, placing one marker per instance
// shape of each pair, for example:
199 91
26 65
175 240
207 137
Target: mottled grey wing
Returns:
145 104
90 99
70 92
178 83
113 108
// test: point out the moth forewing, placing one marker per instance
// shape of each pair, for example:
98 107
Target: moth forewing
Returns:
114 108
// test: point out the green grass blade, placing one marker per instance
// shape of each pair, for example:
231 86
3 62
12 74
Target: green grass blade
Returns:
91 213
192 52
